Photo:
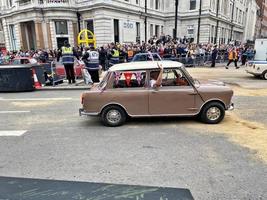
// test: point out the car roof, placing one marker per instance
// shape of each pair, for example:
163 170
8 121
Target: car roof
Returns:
146 54
17 58
144 65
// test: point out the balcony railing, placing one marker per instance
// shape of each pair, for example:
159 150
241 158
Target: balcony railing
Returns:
27 4
54 2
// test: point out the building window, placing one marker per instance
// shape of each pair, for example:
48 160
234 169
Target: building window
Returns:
11 3
231 11
162 30
156 4
23 2
151 30
1 26
137 1
137 32
190 31
12 37
236 14
90 25
239 16
157 30
193 4
211 34
61 27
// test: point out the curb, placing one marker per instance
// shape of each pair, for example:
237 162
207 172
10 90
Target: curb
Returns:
63 88
73 87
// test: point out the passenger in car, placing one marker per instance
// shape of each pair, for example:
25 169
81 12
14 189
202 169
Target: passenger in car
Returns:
156 77
181 81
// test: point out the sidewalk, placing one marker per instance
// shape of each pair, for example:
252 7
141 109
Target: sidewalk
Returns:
230 76
79 85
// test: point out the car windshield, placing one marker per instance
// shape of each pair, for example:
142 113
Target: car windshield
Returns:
146 57
188 75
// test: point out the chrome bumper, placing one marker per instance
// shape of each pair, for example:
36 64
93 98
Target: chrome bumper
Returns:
82 112
231 107
253 72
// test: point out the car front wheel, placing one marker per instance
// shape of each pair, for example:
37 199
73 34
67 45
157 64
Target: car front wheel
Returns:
264 75
113 116
212 113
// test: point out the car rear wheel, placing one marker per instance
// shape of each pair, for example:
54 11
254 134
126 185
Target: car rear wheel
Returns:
264 75
212 113
113 116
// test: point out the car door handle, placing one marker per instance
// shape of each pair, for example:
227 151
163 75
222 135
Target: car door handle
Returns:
193 93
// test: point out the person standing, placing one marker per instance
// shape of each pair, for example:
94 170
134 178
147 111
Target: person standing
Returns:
103 58
244 56
214 54
232 57
91 60
67 54
115 53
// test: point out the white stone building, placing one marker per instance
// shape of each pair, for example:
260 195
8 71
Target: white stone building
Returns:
31 24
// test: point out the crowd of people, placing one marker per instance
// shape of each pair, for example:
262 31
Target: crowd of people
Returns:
164 46
183 50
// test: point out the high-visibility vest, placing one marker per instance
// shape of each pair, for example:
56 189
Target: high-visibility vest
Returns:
67 55
232 55
116 53
92 60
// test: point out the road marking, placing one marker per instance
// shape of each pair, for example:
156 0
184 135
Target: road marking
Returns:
14 111
12 133
37 99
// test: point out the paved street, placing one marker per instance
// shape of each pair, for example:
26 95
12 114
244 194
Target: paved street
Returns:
224 161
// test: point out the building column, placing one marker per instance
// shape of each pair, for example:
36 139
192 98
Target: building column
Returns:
6 34
48 35
104 31
53 34
39 35
23 39
75 32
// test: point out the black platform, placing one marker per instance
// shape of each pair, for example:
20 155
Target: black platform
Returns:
37 189
16 78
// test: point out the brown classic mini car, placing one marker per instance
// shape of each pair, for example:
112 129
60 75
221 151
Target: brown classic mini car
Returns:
126 90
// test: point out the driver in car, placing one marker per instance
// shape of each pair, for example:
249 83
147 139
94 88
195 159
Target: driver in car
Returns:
180 81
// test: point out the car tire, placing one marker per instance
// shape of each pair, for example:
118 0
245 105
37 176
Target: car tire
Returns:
264 75
212 113
113 116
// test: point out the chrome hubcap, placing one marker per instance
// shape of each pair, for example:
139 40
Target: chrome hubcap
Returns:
265 76
213 113
113 116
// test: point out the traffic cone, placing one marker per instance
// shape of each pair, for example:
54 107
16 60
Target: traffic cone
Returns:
37 85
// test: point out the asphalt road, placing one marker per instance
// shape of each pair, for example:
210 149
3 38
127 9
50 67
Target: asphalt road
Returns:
225 161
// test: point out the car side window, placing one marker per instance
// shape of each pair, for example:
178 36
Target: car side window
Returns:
174 77
16 62
26 61
129 79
